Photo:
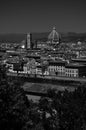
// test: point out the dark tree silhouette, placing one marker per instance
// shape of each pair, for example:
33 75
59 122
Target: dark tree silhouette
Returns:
13 103
67 110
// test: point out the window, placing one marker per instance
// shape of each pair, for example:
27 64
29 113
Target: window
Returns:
72 75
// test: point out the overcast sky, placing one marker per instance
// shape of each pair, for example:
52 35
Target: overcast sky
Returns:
41 15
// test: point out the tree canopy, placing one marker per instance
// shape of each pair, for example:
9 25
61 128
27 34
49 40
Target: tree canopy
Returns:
60 110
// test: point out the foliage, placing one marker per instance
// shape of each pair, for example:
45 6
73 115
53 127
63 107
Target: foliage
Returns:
67 110
60 110
13 103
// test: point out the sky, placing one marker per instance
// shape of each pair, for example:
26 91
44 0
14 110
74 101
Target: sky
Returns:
42 15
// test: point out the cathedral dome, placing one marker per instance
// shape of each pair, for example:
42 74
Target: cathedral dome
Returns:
54 35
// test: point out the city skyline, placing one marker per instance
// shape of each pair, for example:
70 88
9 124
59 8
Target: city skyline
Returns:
40 16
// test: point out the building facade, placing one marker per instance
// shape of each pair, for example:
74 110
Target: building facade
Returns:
57 68
75 70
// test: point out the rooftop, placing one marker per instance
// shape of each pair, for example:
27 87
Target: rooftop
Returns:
75 65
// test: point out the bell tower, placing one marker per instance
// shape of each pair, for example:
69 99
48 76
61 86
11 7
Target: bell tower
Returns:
28 41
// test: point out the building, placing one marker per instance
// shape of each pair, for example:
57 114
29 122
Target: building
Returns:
39 70
79 60
57 68
42 45
75 70
54 37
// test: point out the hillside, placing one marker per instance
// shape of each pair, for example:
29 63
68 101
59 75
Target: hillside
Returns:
65 37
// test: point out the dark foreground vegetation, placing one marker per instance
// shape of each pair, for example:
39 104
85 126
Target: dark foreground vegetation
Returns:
58 111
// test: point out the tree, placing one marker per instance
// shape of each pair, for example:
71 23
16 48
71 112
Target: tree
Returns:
49 116
64 110
44 65
13 104
18 67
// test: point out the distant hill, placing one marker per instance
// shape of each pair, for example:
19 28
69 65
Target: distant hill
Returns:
12 37
20 37
65 37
